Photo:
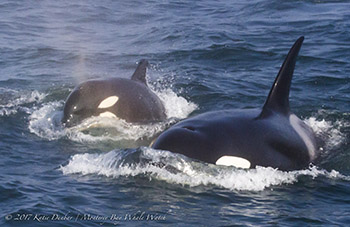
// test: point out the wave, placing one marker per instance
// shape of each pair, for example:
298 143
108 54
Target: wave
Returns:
328 131
178 169
45 122
330 128
12 101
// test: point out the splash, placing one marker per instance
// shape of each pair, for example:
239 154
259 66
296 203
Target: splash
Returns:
177 169
175 106
329 132
11 101
45 122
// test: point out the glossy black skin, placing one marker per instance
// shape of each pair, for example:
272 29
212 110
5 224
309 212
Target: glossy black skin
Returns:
264 137
264 141
136 104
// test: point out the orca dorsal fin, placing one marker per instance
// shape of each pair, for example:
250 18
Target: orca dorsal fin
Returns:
278 99
140 72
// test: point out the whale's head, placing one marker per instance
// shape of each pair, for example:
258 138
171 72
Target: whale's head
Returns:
128 99
77 106
86 100
112 97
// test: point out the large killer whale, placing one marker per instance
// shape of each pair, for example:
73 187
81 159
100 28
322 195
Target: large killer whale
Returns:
128 99
271 136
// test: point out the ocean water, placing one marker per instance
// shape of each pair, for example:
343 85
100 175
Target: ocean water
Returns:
204 55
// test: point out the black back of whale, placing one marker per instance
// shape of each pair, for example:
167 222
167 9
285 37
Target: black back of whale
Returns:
136 102
271 136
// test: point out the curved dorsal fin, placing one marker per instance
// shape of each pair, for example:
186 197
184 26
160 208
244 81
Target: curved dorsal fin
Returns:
278 99
140 72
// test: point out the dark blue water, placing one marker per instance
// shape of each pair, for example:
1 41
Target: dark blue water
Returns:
204 55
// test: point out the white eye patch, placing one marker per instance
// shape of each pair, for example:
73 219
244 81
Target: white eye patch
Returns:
108 102
108 114
233 161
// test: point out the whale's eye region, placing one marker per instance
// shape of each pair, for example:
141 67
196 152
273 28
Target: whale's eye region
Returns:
108 102
190 128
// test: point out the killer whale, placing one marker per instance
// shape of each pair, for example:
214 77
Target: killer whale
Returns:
271 136
128 99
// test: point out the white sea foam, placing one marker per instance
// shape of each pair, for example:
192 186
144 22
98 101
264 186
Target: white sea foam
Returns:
11 101
177 169
44 122
329 132
175 106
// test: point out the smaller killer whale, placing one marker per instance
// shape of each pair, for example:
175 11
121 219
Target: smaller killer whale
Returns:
128 99
271 137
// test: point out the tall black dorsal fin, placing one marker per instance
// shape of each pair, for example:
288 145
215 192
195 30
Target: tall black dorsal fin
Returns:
278 99
140 72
